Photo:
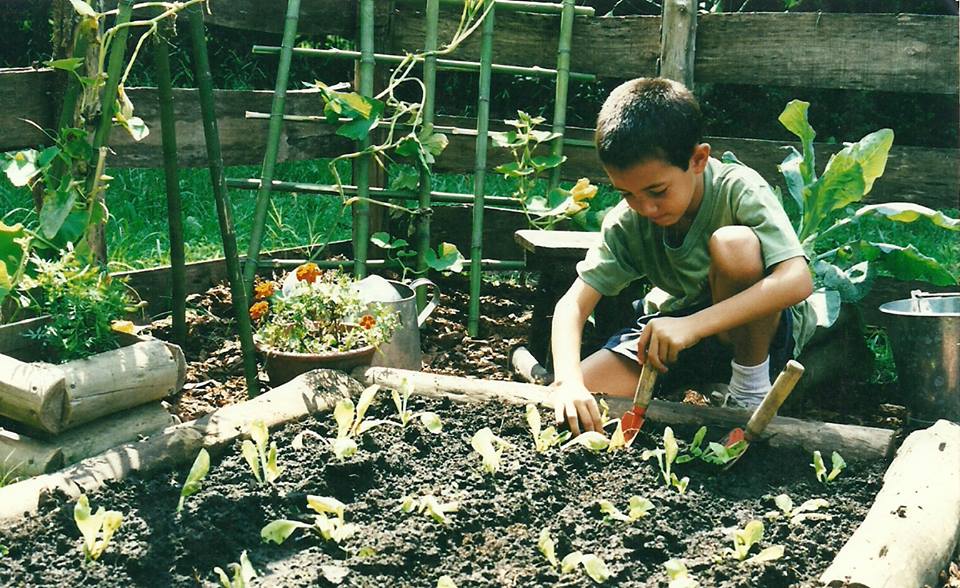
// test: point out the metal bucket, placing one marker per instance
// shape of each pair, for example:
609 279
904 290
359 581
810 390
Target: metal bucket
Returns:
403 350
924 333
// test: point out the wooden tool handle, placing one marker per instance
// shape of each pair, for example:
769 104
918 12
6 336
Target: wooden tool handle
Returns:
771 402
648 377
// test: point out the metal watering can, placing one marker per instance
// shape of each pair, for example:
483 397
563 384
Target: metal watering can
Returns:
403 350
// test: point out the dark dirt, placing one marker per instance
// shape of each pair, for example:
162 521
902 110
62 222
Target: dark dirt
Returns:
490 541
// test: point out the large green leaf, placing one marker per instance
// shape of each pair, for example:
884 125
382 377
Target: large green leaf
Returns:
871 153
14 248
365 119
57 205
907 212
826 306
841 184
794 118
790 168
852 284
905 263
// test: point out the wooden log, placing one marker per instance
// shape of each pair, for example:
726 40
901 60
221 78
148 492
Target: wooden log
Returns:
912 529
853 442
26 456
123 378
32 393
310 393
677 41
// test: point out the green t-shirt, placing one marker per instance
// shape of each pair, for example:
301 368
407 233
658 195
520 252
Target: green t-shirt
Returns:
633 247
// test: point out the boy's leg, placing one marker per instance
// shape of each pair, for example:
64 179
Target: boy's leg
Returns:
606 372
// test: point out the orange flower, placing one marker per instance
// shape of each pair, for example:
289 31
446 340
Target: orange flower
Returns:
367 321
258 310
308 272
264 290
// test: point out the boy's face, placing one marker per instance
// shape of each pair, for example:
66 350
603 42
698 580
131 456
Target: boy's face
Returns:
662 192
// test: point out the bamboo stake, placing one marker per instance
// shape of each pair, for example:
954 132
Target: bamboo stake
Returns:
222 198
426 182
519 6
480 169
168 132
333 190
444 64
563 85
498 265
361 209
273 140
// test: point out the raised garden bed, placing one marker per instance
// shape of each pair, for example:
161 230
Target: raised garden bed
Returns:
490 540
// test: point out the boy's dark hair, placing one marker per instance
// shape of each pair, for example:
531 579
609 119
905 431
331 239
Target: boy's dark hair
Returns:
648 118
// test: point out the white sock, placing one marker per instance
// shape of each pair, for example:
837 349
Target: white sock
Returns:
750 384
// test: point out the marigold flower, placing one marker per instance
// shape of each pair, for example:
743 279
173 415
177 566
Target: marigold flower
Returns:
258 310
308 272
367 321
583 190
264 290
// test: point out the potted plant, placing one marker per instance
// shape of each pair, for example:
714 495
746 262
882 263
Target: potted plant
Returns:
316 319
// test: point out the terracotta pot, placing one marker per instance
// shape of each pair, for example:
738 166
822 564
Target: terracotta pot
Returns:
283 366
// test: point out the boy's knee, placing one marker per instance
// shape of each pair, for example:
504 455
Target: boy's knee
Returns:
735 254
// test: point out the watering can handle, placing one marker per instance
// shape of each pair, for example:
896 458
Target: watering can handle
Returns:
431 304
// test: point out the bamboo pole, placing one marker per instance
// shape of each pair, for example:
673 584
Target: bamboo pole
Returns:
480 169
426 181
333 190
496 265
273 140
361 209
168 132
519 6
443 64
222 198
563 85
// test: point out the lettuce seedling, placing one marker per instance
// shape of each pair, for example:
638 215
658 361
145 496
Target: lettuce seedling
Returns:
592 565
639 508
259 458
431 420
798 514
721 455
547 438
618 440
837 466
547 547
446 582
97 529
678 575
431 506
243 573
592 440
490 447
352 423
744 539
693 451
665 458
198 471
330 528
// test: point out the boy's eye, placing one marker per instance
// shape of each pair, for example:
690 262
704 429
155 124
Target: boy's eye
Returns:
656 193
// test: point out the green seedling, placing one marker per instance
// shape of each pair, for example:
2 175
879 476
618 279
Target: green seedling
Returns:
331 528
429 505
547 547
604 410
243 573
837 466
544 439
490 447
334 574
665 459
4 550
198 471
592 565
744 539
720 455
592 440
678 575
639 508
260 458
693 451
618 440
798 514
352 423
431 421
97 529
446 582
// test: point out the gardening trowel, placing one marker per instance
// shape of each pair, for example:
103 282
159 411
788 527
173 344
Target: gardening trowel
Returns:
764 413
633 419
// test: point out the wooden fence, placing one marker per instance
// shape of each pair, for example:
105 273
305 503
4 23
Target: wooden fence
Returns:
891 52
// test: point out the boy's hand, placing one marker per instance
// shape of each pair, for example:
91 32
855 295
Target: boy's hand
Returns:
662 340
576 406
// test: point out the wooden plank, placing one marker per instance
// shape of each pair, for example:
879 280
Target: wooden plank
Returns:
678 41
556 244
888 52
24 96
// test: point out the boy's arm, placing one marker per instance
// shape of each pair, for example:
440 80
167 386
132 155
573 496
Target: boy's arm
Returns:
572 401
787 284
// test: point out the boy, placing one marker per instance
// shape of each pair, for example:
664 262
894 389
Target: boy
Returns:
712 235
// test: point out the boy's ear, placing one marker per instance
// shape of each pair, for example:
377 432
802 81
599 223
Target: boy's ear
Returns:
701 154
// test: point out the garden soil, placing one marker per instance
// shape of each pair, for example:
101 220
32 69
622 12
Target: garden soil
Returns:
491 540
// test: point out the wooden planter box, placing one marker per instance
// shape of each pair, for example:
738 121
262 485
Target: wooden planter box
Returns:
48 399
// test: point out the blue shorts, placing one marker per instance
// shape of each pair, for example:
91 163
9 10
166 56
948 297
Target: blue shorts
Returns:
709 360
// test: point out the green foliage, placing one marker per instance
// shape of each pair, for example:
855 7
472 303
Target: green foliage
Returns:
97 529
447 256
837 466
194 481
678 575
547 547
84 303
801 513
330 528
430 506
543 439
258 456
639 507
243 573
665 458
430 420
592 565
845 270
750 535
490 447
527 168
